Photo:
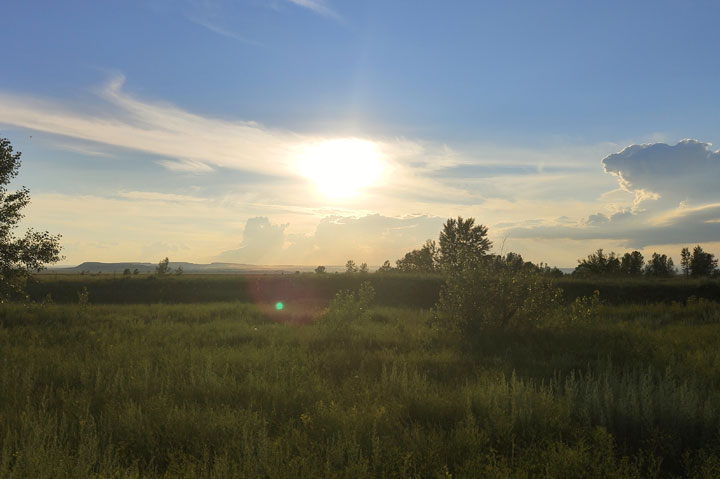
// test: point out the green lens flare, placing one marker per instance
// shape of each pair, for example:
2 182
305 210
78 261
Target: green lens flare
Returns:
279 306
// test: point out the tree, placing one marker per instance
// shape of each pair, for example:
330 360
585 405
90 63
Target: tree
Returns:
631 264
660 266
461 240
320 269
480 295
363 268
385 268
19 256
179 270
702 263
127 272
685 262
515 262
163 267
423 260
598 263
351 267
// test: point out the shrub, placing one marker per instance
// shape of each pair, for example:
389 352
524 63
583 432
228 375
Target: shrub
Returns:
348 306
585 308
480 294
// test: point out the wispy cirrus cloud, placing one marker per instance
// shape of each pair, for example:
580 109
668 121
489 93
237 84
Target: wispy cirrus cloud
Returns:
216 27
318 7
159 129
186 142
212 15
82 149
157 196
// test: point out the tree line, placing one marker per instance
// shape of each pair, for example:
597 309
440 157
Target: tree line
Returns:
459 240
693 264
462 238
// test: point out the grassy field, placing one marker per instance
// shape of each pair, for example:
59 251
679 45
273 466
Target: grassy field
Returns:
231 389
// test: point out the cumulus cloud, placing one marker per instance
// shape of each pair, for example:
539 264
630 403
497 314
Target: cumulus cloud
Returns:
261 241
370 238
677 199
688 171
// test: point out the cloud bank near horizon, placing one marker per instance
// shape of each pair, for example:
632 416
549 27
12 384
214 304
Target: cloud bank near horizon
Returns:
335 240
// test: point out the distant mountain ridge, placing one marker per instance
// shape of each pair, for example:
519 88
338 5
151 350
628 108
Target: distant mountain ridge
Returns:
96 267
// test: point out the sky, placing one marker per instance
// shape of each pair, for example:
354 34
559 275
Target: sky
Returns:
310 132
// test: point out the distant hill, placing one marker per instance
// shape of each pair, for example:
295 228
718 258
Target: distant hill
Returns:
94 267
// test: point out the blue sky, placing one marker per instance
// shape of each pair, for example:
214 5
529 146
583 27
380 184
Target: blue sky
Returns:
181 128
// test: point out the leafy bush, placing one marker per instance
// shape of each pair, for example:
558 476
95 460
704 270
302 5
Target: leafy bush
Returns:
585 308
481 294
348 306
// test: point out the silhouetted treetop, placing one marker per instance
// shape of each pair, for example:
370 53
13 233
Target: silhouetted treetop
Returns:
660 266
702 263
423 260
462 240
598 263
631 264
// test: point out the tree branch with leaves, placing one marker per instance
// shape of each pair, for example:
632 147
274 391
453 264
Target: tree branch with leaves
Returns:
19 256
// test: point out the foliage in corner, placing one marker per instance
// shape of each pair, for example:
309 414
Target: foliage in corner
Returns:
19 256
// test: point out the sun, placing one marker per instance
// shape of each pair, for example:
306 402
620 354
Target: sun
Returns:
341 168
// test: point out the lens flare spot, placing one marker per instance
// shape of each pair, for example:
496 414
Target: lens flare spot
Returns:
279 306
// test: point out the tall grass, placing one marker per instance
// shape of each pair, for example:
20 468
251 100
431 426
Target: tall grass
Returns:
231 390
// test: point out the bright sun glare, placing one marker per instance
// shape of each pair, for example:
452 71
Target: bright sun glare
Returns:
341 168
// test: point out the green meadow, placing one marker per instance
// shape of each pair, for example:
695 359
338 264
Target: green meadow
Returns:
217 388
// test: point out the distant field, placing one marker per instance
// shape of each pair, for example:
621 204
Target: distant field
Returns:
418 291
232 389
